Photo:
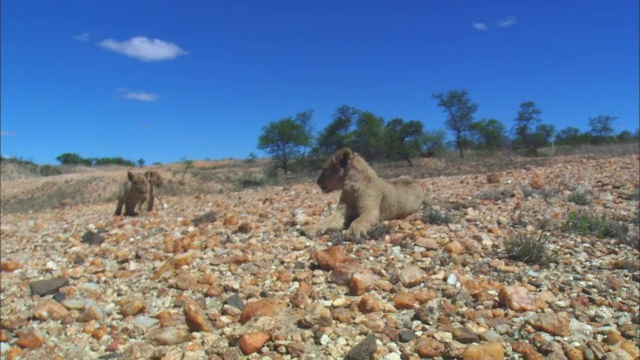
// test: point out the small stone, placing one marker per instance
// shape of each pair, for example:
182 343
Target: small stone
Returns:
92 238
170 335
315 315
361 281
552 323
92 312
493 178
208 217
29 341
131 306
405 301
235 301
167 267
15 353
99 333
145 321
429 348
10 265
49 309
631 348
405 336
517 298
369 304
613 337
252 342
465 335
490 351
244 227
527 350
538 181
343 271
427 243
47 287
411 276
574 354
196 319
263 307
330 257
454 247
364 350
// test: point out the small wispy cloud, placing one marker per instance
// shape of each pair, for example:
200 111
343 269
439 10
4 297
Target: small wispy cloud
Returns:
137 95
8 133
84 37
143 48
507 22
478 25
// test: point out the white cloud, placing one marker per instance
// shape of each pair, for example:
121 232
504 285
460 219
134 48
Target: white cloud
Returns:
138 95
7 133
478 25
507 22
143 48
84 37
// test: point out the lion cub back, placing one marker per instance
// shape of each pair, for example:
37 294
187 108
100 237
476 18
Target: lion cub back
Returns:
402 197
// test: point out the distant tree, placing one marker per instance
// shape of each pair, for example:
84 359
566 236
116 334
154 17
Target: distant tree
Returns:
403 139
543 135
601 128
624 136
433 143
488 134
141 162
368 137
528 117
73 159
459 109
286 139
338 133
569 136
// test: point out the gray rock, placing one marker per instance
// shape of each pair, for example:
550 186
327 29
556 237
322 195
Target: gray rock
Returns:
235 301
406 336
92 238
364 350
48 286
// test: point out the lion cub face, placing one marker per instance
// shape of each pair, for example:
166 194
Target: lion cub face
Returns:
334 171
139 183
154 178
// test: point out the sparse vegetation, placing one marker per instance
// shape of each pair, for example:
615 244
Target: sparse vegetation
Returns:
378 231
579 197
436 217
531 249
584 223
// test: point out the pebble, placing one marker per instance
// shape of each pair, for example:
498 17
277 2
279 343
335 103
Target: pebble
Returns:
490 351
170 335
364 350
48 286
252 342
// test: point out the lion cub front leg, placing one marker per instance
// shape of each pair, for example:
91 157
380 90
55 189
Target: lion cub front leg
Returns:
363 223
334 221
119 205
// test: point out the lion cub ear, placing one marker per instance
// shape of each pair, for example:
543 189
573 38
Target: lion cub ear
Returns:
343 156
130 175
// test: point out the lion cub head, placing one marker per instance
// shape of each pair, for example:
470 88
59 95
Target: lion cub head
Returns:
334 171
139 182
154 178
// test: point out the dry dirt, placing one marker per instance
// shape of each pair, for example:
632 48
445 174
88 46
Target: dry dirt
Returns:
246 280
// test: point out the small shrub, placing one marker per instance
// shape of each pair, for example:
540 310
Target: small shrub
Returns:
49 170
495 195
436 217
579 197
530 249
378 231
583 223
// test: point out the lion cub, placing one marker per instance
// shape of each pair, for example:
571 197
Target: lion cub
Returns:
155 180
133 194
366 199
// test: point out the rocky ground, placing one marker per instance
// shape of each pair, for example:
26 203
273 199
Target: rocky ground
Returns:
227 274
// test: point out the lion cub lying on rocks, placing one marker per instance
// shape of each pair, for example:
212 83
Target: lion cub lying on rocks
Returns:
366 199
133 194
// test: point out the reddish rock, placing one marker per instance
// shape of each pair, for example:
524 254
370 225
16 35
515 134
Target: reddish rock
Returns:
330 257
196 319
252 342
244 227
99 333
263 307
517 298
361 281
465 335
538 181
424 295
411 276
405 301
369 304
429 348
183 259
490 351
527 350
427 243
343 271
29 341
493 178
15 353
454 247
632 348
553 323
50 309
10 265
130 306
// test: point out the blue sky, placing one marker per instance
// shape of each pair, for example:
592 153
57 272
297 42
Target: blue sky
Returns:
166 80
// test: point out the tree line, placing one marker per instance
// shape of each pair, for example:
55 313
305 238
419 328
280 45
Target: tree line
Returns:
75 159
290 141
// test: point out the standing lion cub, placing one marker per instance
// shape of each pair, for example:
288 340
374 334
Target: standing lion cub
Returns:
366 199
133 194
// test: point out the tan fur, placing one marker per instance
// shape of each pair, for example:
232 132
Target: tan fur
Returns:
133 194
155 180
366 199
